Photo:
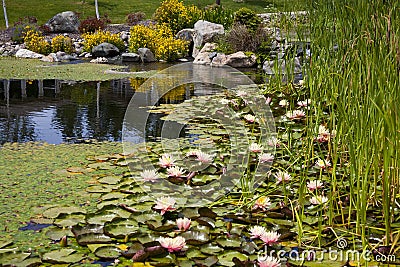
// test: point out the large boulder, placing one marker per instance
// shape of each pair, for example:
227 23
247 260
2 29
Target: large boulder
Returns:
146 55
282 67
206 54
25 53
105 50
130 57
66 21
235 60
205 32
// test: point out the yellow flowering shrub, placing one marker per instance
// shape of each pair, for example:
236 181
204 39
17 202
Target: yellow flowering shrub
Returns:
36 43
177 15
93 39
159 39
62 43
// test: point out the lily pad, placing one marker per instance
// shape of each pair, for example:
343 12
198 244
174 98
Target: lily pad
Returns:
107 252
210 261
229 242
196 237
110 179
121 228
54 212
211 249
65 255
226 259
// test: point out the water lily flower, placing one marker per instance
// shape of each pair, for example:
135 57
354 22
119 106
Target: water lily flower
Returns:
295 114
204 157
323 164
317 200
175 171
268 100
270 237
324 135
165 204
282 177
183 223
315 184
266 157
256 148
224 101
257 231
283 103
193 152
149 175
304 103
172 244
269 261
166 161
273 142
263 203
249 118
301 82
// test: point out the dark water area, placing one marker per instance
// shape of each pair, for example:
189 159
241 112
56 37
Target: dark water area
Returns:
58 111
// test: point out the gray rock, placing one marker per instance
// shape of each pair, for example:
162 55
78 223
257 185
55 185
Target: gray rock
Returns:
185 34
269 66
52 57
204 32
25 53
146 55
124 36
203 57
105 50
130 57
235 60
66 21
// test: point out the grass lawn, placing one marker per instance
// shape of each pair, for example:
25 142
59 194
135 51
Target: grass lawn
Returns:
117 10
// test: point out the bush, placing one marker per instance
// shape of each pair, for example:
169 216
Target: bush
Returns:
19 30
177 15
93 39
135 18
159 39
240 38
220 15
62 43
92 24
35 42
248 17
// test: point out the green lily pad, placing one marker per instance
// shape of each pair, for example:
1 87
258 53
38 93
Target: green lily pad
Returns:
226 259
210 261
65 255
196 237
5 243
93 239
229 242
121 228
107 252
98 189
211 249
54 212
12 256
102 166
70 220
56 234
110 179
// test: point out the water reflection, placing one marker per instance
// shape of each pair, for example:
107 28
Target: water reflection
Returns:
60 111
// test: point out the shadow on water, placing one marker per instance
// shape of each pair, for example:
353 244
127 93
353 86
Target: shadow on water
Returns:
57 111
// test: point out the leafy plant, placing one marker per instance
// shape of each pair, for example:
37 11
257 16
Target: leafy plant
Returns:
35 42
248 17
19 29
62 43
93 39
92 24
220 15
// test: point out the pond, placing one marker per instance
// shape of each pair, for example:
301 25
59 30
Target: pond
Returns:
57 111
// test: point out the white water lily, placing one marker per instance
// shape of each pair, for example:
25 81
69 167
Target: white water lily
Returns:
175 171
266 157
317 200
256 148
149 175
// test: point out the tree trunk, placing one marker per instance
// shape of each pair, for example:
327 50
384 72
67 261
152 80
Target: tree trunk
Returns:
5 13
218 2
97 9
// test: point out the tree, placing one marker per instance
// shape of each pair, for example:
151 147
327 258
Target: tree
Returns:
5 13
97 9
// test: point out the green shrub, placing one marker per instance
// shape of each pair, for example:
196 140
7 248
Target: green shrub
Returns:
93 39
220 15
19 29
35 42
248 18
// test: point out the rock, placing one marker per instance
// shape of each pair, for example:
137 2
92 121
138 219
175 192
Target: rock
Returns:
269 66
105 50
146 55
130 57
52 57
204 32
25 53
185 34
235 60
203 58
99 60
124 36
66 21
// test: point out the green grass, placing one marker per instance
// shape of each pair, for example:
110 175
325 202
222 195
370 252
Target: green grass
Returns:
117 10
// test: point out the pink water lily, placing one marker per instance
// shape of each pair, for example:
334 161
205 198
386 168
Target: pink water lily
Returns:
262 203
315 184
257 231
172 244
149 175
166 161
204 157
283 103
256 148
175 171
282 177
323 164
165 204
183 223
266 157
270 237
249 118
317 200
295 114
269 261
